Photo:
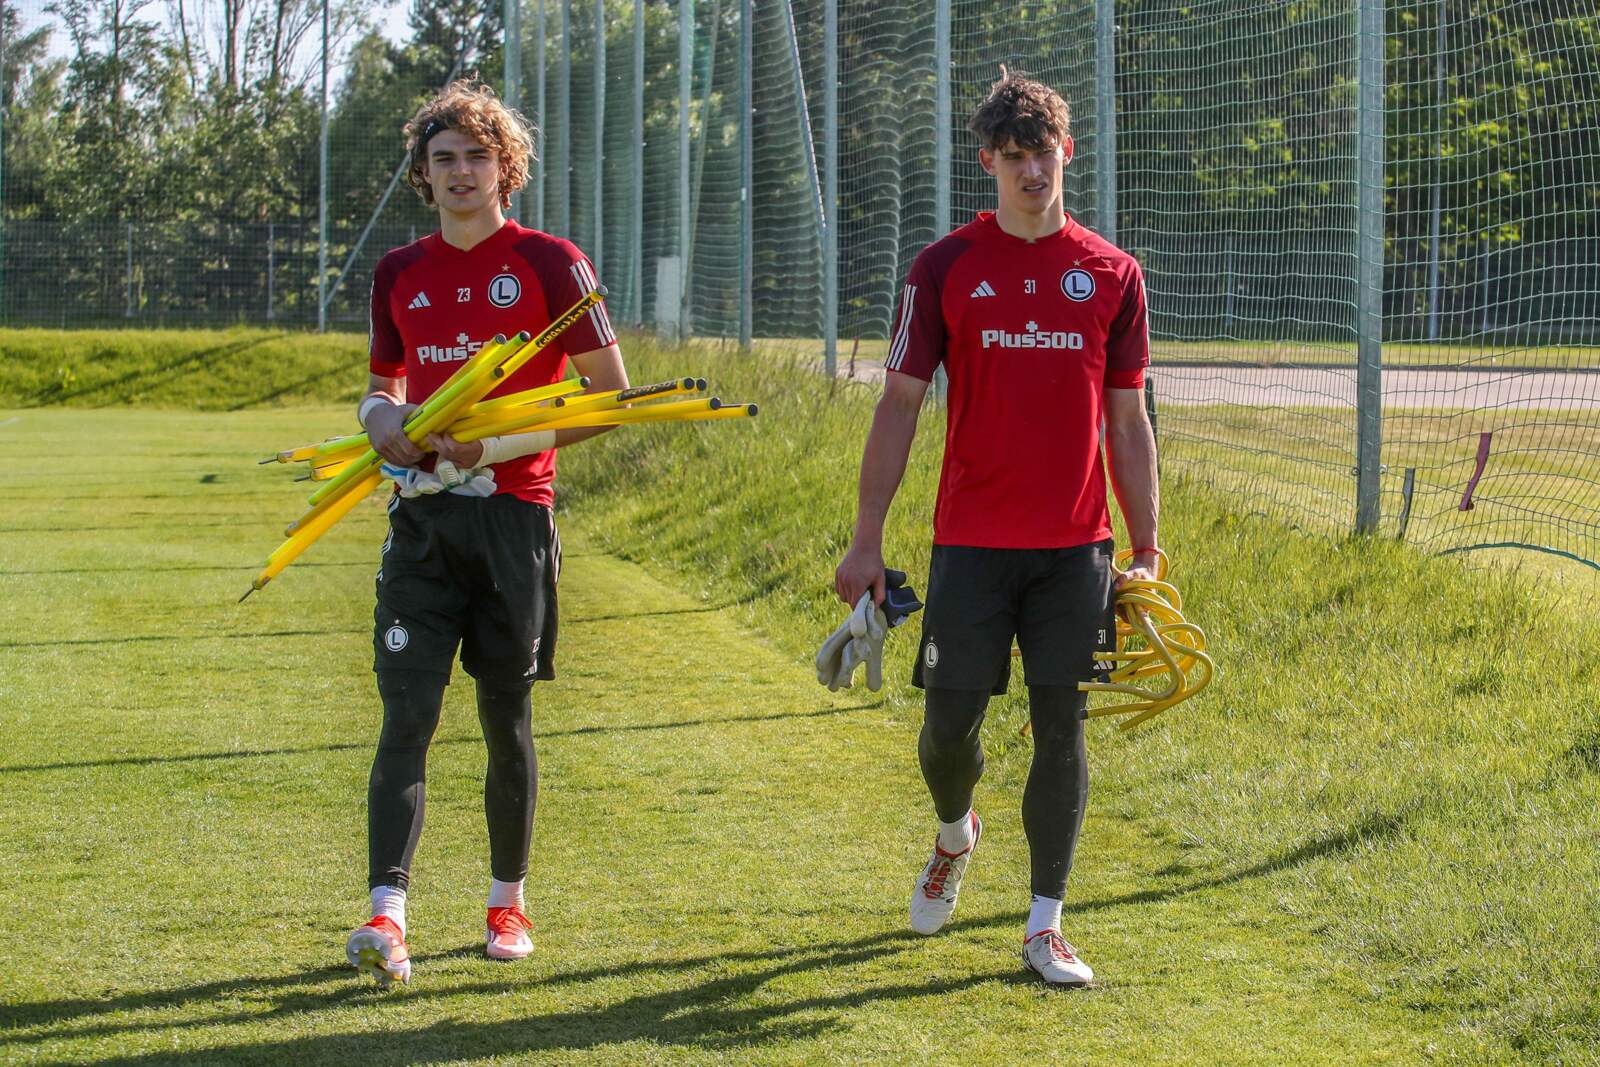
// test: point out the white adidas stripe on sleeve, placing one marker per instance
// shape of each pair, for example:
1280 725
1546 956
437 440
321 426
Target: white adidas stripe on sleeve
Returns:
897 351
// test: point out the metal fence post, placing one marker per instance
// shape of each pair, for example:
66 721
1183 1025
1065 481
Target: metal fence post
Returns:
1369 258
2 160
685 94
564 124
1105 148
543 142
747 110
513 62
322 187
1438 178
942 163
598 248
636 221
941 119
127 310
830 186
272 269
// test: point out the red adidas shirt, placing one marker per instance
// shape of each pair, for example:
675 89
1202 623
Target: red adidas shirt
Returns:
434 305
1031 335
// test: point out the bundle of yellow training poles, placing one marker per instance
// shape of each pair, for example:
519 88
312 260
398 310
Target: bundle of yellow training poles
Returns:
348 468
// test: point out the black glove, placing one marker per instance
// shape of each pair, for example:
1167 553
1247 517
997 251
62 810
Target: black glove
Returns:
899 599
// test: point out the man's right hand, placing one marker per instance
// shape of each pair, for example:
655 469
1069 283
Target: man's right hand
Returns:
386 430
860 570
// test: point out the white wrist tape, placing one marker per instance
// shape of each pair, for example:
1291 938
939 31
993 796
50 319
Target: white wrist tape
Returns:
367 405
511 445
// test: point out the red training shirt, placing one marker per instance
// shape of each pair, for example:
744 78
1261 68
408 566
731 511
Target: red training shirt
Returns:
434 305
1030 335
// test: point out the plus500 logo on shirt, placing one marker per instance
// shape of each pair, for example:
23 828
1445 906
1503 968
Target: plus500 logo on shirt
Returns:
1033 337
463 349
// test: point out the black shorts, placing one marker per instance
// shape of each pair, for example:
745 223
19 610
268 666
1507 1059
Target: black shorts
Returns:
475 571
1057 602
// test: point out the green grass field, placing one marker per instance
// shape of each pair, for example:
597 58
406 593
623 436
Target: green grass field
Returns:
1371 840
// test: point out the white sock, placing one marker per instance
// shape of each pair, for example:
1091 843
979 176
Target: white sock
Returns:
1044 914
956 837
505 894
390 900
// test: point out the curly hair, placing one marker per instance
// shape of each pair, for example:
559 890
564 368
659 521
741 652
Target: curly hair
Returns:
474 110
1020 109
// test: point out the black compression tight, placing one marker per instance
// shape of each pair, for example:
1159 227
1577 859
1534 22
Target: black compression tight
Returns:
395 791
1058 785
511 783
949 750
397 788
1058 782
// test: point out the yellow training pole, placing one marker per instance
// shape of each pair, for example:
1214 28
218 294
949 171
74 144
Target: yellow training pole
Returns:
690 411
615 416
355 442
423 420
290 550
610 400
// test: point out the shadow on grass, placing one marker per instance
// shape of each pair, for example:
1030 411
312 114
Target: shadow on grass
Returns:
1380 827
178 521
148 376
710 1011
131 639
339 370
176 568
578 731
644 614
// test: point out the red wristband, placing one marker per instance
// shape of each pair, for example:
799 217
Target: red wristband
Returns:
1136 551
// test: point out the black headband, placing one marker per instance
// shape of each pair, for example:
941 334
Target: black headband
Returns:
434 126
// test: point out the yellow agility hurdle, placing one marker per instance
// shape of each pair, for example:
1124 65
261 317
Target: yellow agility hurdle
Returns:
1155 643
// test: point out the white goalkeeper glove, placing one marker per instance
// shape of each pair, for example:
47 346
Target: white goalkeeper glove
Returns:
858 640
445 476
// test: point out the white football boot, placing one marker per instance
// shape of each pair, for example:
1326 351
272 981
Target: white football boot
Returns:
1048 955
933 900
378 949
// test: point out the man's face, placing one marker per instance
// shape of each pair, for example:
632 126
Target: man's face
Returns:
1028 179
464 175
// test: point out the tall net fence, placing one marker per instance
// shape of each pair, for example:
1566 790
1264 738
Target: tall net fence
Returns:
1370 231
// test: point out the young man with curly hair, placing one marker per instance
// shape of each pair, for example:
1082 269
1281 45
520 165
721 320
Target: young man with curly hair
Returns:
474 566
1040 326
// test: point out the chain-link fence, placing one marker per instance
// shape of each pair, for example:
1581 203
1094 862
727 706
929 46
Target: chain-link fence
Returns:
1370 228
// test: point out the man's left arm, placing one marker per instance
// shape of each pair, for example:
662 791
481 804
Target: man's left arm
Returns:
602 366
1131 457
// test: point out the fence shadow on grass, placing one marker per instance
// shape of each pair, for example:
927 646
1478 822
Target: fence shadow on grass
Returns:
1379 827
339 370
144 377
710 1013
539 735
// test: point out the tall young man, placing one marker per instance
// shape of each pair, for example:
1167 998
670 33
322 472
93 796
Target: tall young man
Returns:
473 571
1040 326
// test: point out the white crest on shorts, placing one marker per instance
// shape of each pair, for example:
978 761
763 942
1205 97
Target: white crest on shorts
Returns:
930 655
396 638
